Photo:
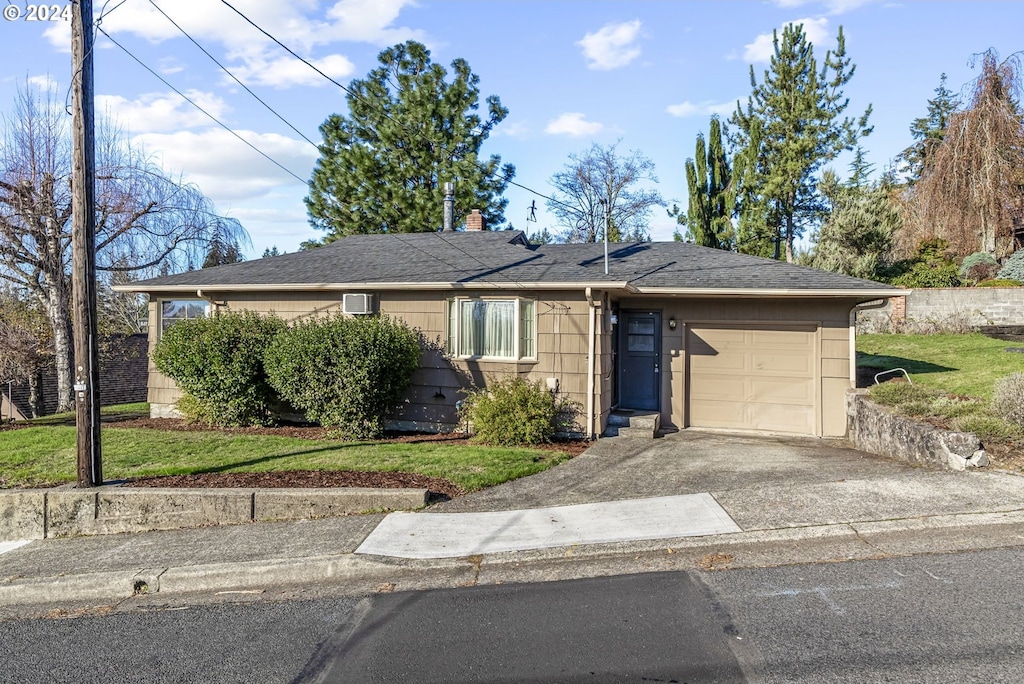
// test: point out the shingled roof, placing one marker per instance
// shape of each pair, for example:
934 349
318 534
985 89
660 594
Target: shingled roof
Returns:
502 259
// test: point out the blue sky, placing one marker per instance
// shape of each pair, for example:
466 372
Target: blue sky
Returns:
646 74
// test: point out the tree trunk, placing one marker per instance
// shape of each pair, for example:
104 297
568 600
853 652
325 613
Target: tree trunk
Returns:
57 303
35 392
789 238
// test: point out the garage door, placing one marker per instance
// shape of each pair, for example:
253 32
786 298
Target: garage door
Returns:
747 378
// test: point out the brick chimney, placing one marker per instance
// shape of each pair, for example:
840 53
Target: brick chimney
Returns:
475 220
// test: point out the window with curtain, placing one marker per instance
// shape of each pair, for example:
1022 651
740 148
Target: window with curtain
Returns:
491 328
174 310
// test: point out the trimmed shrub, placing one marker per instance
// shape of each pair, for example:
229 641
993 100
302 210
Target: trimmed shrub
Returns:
515 412
218 363
1000 282
1008 399
345 373
979 266
930 274
1013 269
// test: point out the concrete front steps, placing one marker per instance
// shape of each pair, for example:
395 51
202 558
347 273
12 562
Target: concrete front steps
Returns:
635 424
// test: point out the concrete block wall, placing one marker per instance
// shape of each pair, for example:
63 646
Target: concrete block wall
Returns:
954 309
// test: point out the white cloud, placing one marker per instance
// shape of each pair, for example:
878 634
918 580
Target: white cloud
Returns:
45 82
224 167
287 71
762 49
705 108
573 124
299 24
515 129
612 46
156 112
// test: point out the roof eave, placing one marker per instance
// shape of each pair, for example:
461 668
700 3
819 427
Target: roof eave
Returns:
766 292
379 287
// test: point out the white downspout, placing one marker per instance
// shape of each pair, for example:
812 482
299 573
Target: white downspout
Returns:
853 334
591 364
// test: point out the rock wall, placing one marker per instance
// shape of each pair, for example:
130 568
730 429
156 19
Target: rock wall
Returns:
874 429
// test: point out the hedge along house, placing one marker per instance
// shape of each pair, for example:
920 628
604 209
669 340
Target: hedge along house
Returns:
702 337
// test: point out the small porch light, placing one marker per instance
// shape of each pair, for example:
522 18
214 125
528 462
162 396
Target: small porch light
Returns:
672 323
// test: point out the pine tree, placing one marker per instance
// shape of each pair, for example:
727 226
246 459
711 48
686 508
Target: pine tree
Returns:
708 177
382 168
929 131
792 125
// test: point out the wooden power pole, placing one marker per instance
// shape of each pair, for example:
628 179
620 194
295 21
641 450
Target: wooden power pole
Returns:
83 246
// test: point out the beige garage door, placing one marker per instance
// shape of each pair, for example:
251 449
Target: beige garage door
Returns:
751 378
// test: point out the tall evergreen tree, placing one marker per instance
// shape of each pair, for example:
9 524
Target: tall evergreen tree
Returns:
857 235
929 131
382 168
708 219
792 125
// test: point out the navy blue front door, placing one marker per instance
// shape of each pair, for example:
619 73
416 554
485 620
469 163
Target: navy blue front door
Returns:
639 359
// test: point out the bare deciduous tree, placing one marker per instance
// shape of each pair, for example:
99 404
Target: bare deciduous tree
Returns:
144 219
972 192
600 175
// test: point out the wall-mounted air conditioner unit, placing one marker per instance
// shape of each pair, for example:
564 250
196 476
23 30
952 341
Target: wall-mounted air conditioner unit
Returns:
357 304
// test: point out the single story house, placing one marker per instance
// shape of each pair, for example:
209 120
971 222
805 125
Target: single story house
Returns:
703 337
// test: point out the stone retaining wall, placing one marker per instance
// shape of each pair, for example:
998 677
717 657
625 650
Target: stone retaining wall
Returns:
874 429
956 309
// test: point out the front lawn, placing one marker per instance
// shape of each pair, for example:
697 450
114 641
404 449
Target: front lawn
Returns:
952 380
958 364
39 455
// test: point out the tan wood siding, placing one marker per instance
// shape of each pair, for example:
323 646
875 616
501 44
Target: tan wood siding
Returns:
561 332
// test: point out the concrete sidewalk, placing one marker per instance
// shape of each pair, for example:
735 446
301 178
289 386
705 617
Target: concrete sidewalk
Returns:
791 500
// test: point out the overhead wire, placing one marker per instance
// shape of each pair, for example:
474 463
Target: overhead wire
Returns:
235 78
201 109
357 96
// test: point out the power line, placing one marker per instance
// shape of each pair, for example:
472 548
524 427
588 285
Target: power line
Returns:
196 105
355 95
235 78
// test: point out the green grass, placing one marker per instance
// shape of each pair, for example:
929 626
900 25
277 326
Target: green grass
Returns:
46 455
958 364
126 411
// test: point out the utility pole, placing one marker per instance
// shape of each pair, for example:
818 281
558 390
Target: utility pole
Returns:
83 246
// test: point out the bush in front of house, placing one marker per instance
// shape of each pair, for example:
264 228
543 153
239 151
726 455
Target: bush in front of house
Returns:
1008 399
218 363
515 412
345 373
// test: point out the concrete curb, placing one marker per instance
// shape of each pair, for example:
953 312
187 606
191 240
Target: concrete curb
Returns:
355 574
43 514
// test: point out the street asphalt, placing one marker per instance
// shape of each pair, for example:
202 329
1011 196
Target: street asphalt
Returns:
714 501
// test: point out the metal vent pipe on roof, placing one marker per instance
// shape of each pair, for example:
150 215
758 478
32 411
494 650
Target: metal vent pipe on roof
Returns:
449 208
